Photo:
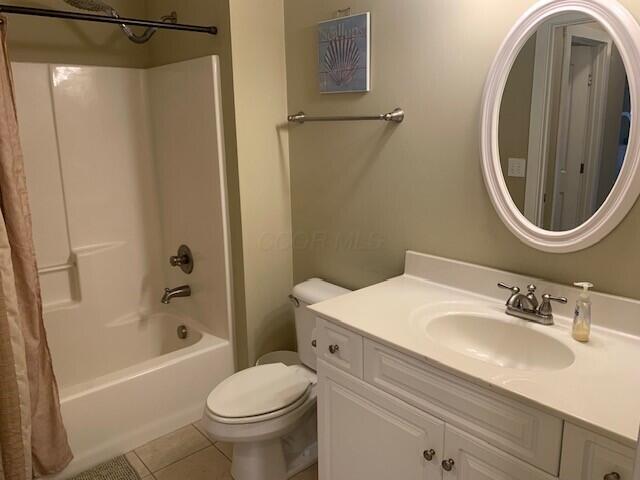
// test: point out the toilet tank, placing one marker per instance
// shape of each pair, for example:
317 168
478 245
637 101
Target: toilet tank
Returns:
304 294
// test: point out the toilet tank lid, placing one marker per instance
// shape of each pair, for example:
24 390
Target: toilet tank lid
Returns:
317 290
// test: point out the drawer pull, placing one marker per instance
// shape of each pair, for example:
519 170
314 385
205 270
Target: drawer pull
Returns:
612 476
448 464
334 349
429 454
314 343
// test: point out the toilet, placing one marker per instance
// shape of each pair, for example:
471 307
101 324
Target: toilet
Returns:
268 411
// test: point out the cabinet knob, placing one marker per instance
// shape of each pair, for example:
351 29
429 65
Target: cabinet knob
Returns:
448 464
334 349
429 454
314 343
612 476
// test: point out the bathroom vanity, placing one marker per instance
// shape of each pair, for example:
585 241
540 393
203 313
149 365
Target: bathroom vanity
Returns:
424 376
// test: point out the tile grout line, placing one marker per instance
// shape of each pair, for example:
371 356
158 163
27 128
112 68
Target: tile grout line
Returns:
220 450
202 433
142 461
180 459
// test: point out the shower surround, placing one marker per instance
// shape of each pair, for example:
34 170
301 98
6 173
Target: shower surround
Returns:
124 165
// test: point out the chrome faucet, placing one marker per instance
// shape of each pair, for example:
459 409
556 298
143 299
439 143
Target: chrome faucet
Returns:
181 291
527 307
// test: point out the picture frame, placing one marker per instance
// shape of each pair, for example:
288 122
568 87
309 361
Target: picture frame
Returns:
344 54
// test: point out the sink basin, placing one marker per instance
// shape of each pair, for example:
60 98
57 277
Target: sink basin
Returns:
504 342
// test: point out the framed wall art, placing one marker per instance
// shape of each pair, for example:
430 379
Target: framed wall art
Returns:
344 54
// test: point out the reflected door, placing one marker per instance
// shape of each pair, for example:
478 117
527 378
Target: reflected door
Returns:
585 76
571 184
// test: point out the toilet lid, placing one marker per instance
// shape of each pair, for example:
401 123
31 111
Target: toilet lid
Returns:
258 390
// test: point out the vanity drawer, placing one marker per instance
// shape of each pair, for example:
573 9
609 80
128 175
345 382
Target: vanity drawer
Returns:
522 431
589 456
339 347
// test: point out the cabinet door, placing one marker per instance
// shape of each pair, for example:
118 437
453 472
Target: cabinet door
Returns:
469 458
365 433
589 456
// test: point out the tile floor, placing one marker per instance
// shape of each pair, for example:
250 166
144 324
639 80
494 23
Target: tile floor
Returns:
188 453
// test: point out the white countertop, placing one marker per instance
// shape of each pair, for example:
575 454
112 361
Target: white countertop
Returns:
600 390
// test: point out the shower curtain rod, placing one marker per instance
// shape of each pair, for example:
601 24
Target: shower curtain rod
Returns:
89 17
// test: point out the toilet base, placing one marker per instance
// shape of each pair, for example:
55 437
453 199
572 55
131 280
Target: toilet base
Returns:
259 461
266 461
278 458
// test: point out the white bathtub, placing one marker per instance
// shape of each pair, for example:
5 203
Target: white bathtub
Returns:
139 382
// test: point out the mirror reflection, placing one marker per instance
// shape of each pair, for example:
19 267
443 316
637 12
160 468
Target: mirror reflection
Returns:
564 122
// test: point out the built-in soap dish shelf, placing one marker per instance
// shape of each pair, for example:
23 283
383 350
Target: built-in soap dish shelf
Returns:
59 285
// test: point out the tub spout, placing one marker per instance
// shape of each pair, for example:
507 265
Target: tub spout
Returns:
181 291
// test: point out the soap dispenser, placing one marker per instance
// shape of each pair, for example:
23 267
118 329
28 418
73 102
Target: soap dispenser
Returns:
582 314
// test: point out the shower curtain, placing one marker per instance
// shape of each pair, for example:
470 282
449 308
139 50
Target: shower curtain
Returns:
33 441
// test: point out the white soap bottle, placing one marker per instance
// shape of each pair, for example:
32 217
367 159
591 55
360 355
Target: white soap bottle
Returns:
582 314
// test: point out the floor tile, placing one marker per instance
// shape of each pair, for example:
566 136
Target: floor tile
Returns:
226 448
172 447
137 464
310 473
207 464
200 427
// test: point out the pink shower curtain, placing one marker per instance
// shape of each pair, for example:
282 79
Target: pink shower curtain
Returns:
33 441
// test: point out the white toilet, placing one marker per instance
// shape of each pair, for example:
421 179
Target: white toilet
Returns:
269 411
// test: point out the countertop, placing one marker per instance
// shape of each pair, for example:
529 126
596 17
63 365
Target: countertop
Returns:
600 390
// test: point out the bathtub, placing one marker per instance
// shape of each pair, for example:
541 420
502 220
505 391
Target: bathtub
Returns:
154 382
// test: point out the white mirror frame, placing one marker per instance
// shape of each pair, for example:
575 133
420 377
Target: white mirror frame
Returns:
625 32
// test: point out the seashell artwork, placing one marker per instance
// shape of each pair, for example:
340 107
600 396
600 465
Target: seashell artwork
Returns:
344 54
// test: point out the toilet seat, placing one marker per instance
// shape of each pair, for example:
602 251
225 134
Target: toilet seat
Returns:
260 418
259 393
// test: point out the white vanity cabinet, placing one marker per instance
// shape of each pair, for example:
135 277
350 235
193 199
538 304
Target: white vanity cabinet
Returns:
389 415
367 434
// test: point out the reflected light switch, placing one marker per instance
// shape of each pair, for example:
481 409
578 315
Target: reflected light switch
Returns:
517 167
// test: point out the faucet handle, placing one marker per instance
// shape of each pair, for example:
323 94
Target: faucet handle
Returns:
548 297
513 288
545 309
515 299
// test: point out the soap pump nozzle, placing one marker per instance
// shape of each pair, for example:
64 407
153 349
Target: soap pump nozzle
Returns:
585 288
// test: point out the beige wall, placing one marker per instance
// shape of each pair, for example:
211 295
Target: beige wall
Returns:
263 162
363 193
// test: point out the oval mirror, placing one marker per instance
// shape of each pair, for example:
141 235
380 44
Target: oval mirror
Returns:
560 157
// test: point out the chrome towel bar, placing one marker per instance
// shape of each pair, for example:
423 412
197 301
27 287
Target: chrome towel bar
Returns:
397 116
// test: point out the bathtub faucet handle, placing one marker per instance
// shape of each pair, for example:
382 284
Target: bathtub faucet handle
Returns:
177 261
184 259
